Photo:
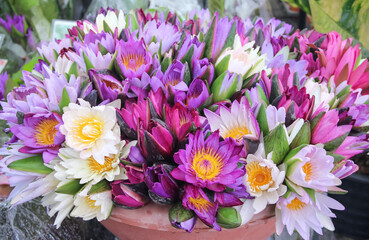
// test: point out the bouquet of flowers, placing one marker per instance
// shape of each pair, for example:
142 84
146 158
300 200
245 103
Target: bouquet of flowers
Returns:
218 117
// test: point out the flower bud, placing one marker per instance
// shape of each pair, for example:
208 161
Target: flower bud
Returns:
182 218
129 196
228 217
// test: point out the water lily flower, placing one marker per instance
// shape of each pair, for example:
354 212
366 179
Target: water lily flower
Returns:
114 20
90 170
182 218
311 167
238 122
244 60
159 36
327 128
225 86
59 204
163 189
180 119
197 94
172 80
321 95
91 130
195 199
132 58
17 22
300 213
27 184
301 102
264 181
360 114
95 205
108 86
129 195
209 163
345 168
203 69
155 143
40 135
3 80
189 43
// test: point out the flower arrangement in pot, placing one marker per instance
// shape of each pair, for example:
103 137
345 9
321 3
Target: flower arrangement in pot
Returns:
219 118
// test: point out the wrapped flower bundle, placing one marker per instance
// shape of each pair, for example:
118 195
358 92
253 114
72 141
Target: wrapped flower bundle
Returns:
216 117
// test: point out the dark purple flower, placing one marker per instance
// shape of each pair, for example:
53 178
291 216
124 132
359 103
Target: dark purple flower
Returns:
203 69
107 86
163 189
197 94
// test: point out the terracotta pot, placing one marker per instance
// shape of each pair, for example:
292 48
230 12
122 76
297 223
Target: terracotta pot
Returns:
151 223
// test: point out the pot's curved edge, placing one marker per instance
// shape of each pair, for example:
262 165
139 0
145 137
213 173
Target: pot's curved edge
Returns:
155 216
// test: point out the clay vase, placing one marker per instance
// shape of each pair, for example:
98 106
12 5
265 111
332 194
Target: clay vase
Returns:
151 223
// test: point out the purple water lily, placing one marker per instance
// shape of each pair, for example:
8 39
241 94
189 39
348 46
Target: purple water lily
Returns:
132 58
162 187
17 21
108 87
195 199
196 95
208 163
40 135
3 80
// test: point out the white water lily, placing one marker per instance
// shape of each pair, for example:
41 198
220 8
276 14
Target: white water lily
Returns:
91 130
263 180
321 94
90 170
244 60
89 206
113 20
58 203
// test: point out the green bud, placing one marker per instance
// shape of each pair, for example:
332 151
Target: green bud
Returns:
228 217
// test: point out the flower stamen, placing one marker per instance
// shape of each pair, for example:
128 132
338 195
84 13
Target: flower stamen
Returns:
45 132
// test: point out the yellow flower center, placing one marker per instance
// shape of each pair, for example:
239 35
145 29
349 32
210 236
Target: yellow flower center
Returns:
258 176
307 169
112 85
207 164
90 202
45 132
101 168
200 203
87 130
296 204
132 61
237 133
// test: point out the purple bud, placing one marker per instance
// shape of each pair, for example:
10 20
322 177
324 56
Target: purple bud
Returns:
129 195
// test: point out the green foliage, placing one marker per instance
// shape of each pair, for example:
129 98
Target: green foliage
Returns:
303 4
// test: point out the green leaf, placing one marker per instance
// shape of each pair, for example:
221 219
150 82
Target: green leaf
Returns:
335 143
337 157
165 63
222 66
262 120
99 187
226 93
348 17
33 164
187 58
276 142
88 63
311 193
209 38
106 27
187 75
71 188
315 120
65 100
274 91
228 217
216 6
302 137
